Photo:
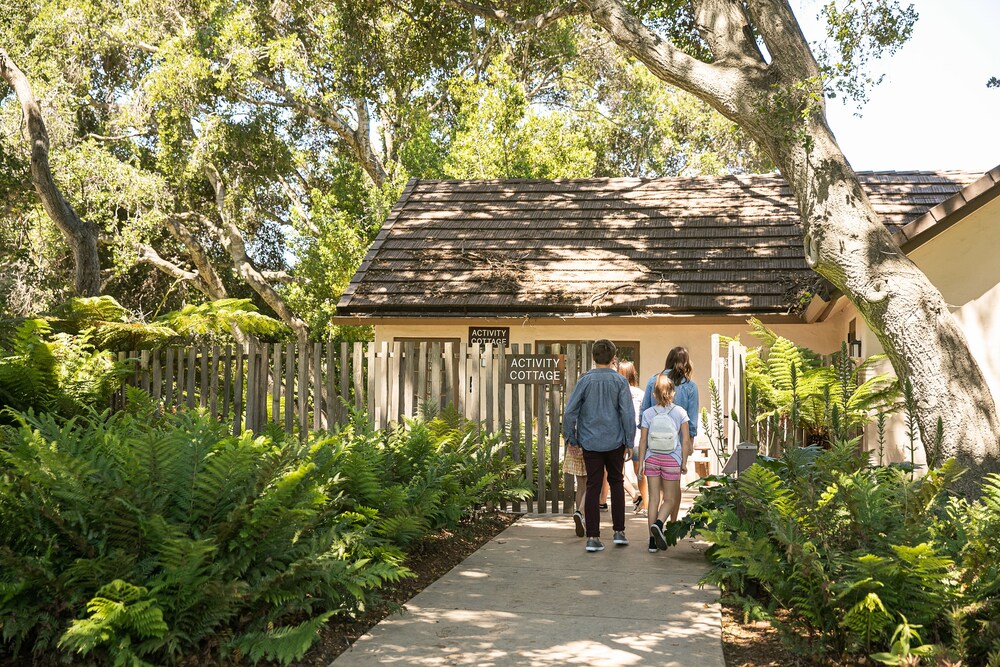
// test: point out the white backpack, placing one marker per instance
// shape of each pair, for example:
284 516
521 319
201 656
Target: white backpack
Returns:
662 437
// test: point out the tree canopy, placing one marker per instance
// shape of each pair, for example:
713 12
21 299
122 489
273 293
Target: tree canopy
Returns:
252 150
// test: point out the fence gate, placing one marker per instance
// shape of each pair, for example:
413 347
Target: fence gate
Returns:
304 388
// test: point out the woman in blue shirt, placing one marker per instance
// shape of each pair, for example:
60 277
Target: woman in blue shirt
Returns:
678 369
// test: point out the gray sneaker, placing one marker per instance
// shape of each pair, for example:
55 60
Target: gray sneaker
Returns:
578 520
620 538
595 544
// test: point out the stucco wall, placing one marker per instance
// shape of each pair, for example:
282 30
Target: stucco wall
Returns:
655 337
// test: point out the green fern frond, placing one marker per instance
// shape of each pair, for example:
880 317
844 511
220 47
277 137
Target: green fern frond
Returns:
284 644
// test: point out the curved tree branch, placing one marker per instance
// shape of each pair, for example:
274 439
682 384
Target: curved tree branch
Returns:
726 30
539 22
719 84
357 139
149 255
209 277
232 239
80 235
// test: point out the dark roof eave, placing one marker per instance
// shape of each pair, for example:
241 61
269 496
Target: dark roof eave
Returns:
465 312
939 218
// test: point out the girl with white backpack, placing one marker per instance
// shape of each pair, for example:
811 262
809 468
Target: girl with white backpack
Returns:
664 447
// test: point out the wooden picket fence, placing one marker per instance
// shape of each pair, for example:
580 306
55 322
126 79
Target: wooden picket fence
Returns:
305 388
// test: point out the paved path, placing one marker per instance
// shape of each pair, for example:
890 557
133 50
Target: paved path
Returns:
533 596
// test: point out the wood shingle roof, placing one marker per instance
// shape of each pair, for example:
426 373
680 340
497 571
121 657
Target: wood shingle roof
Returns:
704 245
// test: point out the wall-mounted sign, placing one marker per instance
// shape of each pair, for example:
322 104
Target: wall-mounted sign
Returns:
535 368
499 336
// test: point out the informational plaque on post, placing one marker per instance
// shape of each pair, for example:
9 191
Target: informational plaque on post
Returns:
498 336
535 368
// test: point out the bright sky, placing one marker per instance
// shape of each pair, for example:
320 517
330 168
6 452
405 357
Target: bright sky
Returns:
933 109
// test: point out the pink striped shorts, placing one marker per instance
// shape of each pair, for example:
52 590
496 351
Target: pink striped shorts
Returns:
665 466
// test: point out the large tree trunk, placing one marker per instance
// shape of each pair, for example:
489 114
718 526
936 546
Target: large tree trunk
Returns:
780 104
847 243
81 236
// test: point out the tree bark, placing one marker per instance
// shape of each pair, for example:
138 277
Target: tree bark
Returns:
781 105
232 239
81 236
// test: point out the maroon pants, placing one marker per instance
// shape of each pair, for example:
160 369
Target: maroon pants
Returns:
597 463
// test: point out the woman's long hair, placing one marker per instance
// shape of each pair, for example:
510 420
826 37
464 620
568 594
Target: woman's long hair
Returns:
678 365
627 370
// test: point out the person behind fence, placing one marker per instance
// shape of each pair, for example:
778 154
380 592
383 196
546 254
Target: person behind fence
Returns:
678 368
664 447
600 419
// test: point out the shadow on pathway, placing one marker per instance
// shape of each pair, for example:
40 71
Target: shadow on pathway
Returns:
533 596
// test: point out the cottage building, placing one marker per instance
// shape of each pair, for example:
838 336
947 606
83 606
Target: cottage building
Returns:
652 264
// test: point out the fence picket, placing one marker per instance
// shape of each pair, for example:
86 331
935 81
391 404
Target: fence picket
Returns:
515 425
276 384
488 377
289 388
474 368
392 383
213 397
238 390
317 386
302 385
262 386
450 391
554 422
528 455
344 376
192 361
359 384
251 382
157 376
331 385
409 365
226 382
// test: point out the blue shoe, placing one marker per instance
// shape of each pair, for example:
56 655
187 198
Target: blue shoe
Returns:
595 544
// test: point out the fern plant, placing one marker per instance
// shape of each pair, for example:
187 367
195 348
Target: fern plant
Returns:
845 549
792 385
58 372
243 546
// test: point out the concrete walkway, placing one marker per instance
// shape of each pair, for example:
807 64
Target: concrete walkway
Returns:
533 596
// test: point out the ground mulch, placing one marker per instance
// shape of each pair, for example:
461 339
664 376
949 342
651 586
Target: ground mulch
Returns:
753 644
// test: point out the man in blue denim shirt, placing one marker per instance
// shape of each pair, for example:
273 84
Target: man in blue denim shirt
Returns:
600 418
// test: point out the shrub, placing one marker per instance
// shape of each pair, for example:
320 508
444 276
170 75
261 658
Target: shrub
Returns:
146 537
842 552
60 372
